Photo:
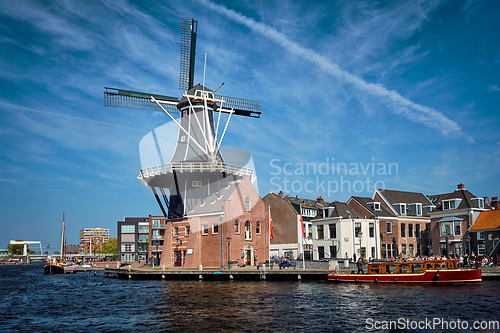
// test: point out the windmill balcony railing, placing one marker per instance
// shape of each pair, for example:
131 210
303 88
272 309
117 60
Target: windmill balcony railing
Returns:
194 167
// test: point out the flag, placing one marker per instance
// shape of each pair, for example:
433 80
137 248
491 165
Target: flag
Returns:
302 225
271 235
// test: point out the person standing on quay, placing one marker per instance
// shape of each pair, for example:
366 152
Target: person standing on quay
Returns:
360 266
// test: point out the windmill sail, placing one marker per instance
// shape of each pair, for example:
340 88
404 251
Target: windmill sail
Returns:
189 29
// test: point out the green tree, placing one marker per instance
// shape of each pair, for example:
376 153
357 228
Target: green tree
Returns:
17 248
110 247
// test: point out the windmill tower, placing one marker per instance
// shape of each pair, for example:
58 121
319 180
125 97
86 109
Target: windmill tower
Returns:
192 182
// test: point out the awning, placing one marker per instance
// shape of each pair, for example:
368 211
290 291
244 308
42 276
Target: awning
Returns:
450 219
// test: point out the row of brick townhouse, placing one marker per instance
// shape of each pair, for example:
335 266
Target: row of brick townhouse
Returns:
236 227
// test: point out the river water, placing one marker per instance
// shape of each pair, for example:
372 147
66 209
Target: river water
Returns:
31 301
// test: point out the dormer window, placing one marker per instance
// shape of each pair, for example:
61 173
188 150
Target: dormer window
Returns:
479 202
401 208
451 204
204 94
375 205
417 208
429 208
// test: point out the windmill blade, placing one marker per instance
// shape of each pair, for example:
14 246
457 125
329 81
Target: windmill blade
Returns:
128 99
241 107
189 28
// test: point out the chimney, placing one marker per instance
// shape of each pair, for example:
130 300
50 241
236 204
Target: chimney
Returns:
461 186
281 194
320 200
494 203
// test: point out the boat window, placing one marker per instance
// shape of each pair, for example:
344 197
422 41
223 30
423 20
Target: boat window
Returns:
391 269
437 266
404 268
375 269
453 265
429 266
443 265
417 268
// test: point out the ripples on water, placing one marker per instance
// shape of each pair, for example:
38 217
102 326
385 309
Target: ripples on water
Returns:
31 301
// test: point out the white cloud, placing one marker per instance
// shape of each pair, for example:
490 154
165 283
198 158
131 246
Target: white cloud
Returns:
391 98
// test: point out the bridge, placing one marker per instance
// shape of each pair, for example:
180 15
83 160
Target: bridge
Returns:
25 243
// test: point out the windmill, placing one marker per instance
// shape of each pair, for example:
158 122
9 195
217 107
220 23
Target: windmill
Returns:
197 171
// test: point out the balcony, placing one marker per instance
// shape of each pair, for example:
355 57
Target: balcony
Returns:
159 226
157 237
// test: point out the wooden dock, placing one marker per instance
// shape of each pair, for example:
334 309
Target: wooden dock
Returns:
212 274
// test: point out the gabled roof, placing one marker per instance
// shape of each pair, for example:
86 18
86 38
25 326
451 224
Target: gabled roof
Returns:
394 197
463 194
304 202
342 210
363 201
487 220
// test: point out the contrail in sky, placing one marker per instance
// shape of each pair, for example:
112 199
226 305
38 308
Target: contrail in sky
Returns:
397 103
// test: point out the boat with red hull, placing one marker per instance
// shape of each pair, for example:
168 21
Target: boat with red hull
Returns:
421 271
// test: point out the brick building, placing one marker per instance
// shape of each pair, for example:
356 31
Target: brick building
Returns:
230 224
92 239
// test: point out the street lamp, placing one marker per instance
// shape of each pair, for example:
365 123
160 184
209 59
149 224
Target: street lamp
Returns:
228 252
360 234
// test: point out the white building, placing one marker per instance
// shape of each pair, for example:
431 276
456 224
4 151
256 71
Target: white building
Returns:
341 232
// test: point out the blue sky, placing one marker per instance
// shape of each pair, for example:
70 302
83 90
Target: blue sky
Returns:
402 94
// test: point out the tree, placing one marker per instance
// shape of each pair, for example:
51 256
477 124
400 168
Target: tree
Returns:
17 248
110 247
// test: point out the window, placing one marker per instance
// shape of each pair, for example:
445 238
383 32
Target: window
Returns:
403 249
387 250
333 230
128 228
176 231
321 252
456 227
197 183
319 229
248 231
333 251
357 229
371 230
410 250
481 250
374 205
247 204
388 227
403 229
417 208
459 249
451 204
373 252
308 230
204 229
236 227
143 238
446 228
257 227
128 256
410 229
128 247
480 235
156 223
144 229
479 202
418 233
401 208
215 228
188 229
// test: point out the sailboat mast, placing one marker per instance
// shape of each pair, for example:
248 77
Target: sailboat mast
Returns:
62 240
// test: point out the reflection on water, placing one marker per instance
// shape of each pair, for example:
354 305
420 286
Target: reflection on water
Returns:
32 301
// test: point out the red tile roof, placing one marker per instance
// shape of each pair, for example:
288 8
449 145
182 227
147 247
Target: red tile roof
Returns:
487 220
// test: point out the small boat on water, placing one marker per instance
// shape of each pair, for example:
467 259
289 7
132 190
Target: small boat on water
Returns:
420 271
56 264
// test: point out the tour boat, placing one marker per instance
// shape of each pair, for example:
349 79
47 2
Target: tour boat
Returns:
56 265
419 271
